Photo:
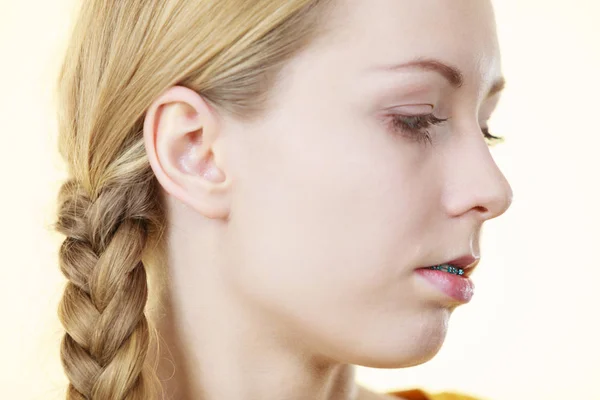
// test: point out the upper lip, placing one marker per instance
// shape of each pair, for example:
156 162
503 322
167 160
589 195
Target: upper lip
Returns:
466 262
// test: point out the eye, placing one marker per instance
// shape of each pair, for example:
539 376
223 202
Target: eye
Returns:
415 126
491 139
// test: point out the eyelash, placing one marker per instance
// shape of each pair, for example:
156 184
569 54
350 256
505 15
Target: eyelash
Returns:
416 126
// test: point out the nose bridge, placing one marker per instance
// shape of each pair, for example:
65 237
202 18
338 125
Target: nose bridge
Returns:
476 181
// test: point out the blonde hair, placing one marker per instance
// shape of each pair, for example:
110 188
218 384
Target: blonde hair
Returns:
121 56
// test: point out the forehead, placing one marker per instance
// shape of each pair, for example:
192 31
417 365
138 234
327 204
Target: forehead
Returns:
365 33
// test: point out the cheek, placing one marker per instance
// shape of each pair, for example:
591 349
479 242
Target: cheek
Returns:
325 221
324 234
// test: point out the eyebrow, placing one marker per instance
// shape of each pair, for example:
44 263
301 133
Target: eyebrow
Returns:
452 74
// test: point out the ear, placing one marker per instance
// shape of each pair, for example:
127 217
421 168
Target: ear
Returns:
181 133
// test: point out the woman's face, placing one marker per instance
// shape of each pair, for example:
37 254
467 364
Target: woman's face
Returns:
333 208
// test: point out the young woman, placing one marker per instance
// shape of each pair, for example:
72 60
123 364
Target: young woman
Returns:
264 194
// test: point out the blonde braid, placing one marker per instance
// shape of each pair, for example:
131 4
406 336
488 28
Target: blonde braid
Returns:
107 334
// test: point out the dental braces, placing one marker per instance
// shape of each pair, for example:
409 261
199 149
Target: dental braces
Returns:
448 268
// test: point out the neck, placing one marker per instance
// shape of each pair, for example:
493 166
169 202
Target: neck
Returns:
216 344
209 355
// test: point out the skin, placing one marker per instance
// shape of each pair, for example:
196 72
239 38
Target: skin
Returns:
294 239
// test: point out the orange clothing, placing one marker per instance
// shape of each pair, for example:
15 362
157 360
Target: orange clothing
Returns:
418 394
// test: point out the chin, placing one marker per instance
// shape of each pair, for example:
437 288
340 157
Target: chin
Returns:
403 356
403 347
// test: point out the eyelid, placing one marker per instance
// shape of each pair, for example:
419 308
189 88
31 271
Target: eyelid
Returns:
413 109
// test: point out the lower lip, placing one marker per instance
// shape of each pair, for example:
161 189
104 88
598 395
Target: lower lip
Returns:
456 286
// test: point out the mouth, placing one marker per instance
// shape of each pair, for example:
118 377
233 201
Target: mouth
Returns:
462 266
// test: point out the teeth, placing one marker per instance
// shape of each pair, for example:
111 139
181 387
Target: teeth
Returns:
449 268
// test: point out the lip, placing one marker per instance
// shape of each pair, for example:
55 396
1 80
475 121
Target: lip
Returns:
459 288
463 262
466 262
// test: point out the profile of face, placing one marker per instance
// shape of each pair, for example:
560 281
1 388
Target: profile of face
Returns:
310 223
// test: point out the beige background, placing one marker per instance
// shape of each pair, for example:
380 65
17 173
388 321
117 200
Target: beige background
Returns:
531 331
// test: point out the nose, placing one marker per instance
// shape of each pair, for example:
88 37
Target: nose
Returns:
475 184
